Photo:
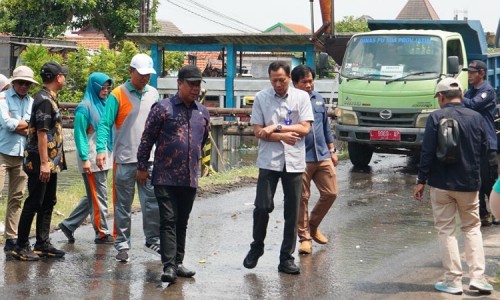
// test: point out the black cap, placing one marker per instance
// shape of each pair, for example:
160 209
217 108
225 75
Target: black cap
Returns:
52 69
476 65
190 73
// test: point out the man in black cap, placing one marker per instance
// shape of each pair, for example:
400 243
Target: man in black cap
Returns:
178 126
43 159
481 97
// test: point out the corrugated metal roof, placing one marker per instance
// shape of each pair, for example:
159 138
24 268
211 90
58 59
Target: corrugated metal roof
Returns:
222 39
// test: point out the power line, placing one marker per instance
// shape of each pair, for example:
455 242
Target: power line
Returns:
208 19
222 15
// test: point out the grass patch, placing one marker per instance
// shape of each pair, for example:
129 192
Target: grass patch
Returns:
228 177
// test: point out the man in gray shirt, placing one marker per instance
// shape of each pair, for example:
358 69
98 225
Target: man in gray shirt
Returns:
281 117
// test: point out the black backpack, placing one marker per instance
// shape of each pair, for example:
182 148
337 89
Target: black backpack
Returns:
448 139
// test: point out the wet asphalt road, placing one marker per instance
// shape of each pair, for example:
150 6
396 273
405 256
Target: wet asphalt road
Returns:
382 246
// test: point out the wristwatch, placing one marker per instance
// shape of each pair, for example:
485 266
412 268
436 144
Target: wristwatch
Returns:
420 181
278 128
333 150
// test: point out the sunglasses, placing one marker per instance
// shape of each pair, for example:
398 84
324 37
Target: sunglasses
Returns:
23 82
105 87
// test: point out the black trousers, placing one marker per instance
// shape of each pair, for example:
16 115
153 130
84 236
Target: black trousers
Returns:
40 201
489 174
175 204
264 204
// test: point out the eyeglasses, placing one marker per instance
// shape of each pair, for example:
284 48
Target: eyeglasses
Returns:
104 87
23 83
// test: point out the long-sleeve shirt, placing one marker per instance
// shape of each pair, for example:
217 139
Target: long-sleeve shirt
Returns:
483 100
179 133
13 109
85 140
321 134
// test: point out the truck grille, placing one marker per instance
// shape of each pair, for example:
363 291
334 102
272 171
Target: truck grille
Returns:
399 118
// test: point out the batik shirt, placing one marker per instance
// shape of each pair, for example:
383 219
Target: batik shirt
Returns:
179 133
45 116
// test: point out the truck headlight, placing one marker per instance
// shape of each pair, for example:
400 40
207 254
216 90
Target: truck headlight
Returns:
421 120
346 117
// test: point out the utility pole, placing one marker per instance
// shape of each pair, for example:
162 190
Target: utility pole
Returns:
144 16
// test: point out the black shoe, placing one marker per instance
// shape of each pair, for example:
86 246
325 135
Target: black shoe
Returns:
68 233
107 239
485 223
288 267
184 272
169 274
25 254
47 250
496 221
252 257
10 245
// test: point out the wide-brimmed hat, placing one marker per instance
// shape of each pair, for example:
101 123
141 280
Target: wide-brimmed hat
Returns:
3 81
23 73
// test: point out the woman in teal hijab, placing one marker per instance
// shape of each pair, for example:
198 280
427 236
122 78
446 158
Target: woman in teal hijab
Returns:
88 114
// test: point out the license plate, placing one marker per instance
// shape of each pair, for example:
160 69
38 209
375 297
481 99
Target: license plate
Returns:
385 135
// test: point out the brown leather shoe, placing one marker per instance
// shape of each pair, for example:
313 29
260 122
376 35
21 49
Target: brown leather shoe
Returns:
305 247
318 237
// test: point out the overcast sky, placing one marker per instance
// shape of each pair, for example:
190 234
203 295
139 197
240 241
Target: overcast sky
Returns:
261 14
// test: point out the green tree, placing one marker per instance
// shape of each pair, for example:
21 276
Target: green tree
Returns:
51 18
174 60
349 24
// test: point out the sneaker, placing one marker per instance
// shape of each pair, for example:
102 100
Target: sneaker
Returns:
152 248
68 233
24 254
122 256
107 239
10 245
47 250
449 287
480 285
252 257
305 247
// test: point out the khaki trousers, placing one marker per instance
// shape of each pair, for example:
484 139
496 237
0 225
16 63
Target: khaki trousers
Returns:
445 207
12 166
324 176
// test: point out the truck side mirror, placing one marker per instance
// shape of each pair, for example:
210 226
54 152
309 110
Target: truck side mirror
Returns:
453 66
323 64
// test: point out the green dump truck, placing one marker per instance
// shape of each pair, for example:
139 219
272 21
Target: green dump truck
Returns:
388 78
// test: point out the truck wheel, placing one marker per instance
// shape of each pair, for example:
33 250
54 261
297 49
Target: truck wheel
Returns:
359 154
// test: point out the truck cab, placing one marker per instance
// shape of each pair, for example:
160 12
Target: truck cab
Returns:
387 83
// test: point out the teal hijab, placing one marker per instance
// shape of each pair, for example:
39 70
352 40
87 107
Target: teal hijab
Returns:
92 106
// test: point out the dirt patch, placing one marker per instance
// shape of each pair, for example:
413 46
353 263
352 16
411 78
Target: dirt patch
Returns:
212 190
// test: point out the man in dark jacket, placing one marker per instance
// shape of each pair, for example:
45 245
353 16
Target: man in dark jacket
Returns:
454 189
481 97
